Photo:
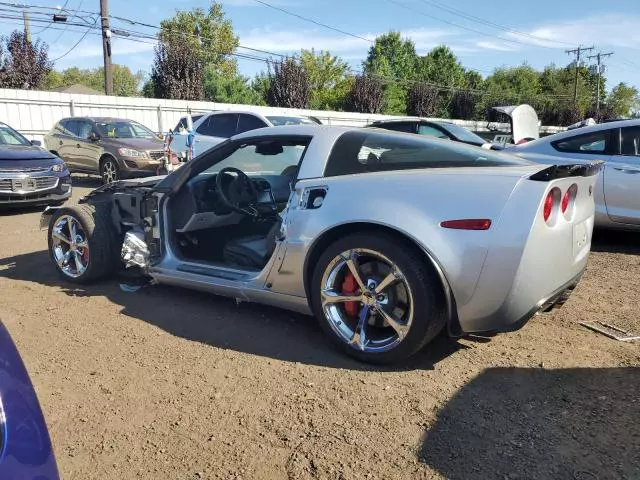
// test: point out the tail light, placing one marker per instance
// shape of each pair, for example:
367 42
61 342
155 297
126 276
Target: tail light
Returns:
550 202
568 197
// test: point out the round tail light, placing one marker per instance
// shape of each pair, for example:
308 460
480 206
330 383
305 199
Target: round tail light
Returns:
548 206
568 197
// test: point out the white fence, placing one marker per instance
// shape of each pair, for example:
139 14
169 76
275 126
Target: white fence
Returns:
34 112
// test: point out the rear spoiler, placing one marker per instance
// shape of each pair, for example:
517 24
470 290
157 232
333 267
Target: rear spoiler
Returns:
554 172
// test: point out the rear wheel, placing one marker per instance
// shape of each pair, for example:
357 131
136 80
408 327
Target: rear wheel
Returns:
109 170
81 243
376 299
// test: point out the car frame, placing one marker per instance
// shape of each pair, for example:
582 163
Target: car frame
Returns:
386 238
29 175
616 190
84 147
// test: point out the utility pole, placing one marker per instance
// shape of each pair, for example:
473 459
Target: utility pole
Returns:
106 47
27 27
600 68
577 52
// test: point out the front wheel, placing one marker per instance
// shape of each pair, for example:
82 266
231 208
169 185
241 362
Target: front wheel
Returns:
376 298
81 243
109 171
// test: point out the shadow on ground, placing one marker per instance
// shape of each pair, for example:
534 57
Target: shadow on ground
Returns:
507 423
613 241
218 321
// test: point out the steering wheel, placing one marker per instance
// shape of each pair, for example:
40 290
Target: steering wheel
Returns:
240 195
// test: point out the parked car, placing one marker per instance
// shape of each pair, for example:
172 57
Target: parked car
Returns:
215 127
435 128
309 219
113 148
617 191
25 446
29 175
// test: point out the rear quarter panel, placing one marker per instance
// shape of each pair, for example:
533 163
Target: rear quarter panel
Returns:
412 202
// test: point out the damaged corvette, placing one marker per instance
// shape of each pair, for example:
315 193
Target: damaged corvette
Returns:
386 238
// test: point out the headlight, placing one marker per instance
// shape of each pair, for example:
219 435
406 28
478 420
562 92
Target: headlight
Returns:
128 152
58 167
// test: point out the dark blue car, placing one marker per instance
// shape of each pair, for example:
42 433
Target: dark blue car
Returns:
25 447
30 175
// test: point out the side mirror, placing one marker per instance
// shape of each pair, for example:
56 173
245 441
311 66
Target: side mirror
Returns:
94 137
36 143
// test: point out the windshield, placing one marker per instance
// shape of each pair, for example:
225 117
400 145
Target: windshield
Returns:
264 158
462 133
8 136
283 120
125 129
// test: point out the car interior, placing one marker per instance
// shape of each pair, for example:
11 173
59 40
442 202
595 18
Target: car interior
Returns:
229 214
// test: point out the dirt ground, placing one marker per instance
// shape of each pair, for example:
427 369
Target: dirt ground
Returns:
170 384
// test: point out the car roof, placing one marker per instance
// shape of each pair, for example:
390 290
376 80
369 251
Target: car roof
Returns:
100 119
596 128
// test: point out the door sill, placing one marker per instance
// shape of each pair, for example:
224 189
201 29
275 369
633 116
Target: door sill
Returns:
217 271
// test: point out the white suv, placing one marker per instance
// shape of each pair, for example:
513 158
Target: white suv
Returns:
213 128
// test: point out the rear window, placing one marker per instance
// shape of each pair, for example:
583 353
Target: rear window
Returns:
365 151
279 120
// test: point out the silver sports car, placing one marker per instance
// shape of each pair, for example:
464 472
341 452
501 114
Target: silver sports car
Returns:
617 190
387 238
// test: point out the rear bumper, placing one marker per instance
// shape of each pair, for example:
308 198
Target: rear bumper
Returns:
546 305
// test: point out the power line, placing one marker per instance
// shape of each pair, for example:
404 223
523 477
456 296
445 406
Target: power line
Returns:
74 46
48 26
457 25
310 20
62 33
473 18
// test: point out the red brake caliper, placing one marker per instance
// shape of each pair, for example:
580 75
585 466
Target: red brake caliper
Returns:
350 288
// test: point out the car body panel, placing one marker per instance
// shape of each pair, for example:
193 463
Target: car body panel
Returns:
616 192
26 450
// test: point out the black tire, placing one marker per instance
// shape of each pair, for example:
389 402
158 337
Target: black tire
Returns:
104 254
109 170
429 317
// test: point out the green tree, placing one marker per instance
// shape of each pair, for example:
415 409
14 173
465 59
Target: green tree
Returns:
149 89
223 88
329 77
393 60
125 83
207 34
441 67
623 100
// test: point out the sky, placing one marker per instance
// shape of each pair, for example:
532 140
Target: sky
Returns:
484 34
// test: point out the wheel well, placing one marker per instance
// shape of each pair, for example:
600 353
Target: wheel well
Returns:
327 238
104 157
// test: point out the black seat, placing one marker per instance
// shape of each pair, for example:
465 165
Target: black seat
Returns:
252 251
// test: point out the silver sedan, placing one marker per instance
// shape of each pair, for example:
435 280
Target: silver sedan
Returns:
617 191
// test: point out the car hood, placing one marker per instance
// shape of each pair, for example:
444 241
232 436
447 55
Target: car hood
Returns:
23 152
135 143
26 158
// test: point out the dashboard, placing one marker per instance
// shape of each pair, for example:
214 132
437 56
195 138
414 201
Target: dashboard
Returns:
198 205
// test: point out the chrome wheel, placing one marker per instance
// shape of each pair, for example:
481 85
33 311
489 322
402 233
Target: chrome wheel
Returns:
70 246
367 300
109 172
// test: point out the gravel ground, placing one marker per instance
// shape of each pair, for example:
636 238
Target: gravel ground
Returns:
169 384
